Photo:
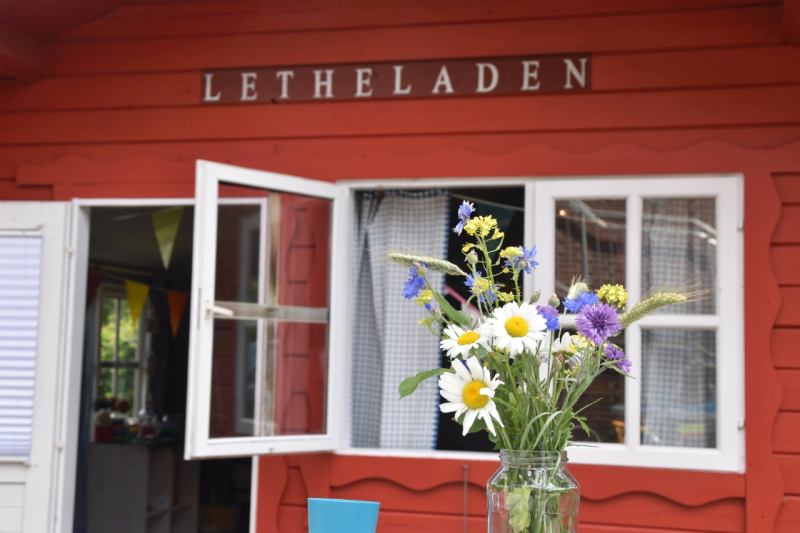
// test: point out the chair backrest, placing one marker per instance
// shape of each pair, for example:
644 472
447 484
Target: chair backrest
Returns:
328 515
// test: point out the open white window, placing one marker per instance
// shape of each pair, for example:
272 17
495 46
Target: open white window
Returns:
684 406
266 370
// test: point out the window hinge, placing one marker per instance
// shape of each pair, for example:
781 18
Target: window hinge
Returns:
69 250
740 423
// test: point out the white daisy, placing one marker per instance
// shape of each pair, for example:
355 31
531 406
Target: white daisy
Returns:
460 341
517 328
470 390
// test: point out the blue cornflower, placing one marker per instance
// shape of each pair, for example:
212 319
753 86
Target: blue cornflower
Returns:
574 305
620 360
525 262
465 211
414 284
550 315
598 322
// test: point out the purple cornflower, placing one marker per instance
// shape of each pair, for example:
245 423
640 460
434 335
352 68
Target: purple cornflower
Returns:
617 356
525 262
465 211
598 322
414 284
574 305
550 316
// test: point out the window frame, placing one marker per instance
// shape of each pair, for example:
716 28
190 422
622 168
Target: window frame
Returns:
198 443
728 188
727 321
117 291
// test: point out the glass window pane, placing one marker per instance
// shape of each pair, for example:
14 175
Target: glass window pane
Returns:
606 414
679 249
285 395
233 378
108 328
239 243
590 242
679 387
128 333
126 385
303 271
105 384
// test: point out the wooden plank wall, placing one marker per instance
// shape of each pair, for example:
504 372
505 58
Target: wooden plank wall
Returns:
678 87
785 257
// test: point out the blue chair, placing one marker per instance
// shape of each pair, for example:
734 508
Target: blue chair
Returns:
328 515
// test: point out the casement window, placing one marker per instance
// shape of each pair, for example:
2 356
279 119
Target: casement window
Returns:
684 406
269 299
309 330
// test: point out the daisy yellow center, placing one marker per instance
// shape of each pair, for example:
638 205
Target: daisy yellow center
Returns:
516 326
468 337
472 394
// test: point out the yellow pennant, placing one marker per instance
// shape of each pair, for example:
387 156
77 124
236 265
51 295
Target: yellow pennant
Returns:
165 224
137 297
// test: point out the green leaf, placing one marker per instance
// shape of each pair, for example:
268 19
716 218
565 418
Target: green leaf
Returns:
409 385
452 313
582 421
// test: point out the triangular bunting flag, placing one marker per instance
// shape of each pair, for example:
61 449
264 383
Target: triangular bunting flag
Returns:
137 297
165 224
177 304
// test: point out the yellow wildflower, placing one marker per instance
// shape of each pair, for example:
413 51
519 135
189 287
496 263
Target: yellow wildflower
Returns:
480 285
511 251
481 226
498 234
505 297
613 294
467 247
424 297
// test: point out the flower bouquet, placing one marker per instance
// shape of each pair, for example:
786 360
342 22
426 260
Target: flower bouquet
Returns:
515 373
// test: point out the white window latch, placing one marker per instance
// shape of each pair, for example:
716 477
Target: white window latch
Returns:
212 309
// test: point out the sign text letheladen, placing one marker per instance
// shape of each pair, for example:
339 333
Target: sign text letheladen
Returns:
417 79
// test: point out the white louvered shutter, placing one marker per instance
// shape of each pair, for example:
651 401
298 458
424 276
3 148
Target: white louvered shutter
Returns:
20 280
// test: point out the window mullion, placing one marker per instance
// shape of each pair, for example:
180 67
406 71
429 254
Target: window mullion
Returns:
633 334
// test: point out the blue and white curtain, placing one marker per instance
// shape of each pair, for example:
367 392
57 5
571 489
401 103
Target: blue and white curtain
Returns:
388 342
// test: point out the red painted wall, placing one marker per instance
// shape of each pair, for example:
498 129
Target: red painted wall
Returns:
679 87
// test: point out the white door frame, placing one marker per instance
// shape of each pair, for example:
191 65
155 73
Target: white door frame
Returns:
71 364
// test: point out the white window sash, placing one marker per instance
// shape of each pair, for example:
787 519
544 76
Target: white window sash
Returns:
198 443
727 321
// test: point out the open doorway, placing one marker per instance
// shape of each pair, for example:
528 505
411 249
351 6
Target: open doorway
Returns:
130 473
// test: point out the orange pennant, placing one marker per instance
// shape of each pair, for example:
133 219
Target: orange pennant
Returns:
177 304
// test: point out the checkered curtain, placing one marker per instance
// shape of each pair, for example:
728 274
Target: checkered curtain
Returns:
679 365
389 344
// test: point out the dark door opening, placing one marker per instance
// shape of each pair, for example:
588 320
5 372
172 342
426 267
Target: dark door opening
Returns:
131 476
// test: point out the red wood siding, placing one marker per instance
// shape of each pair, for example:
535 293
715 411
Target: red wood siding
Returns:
785 256
685 86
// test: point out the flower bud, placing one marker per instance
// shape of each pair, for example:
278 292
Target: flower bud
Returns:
472 258
554 301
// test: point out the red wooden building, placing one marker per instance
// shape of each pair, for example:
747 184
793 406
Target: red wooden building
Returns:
108 104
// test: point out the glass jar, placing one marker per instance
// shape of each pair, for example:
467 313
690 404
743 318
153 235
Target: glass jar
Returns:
532 492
